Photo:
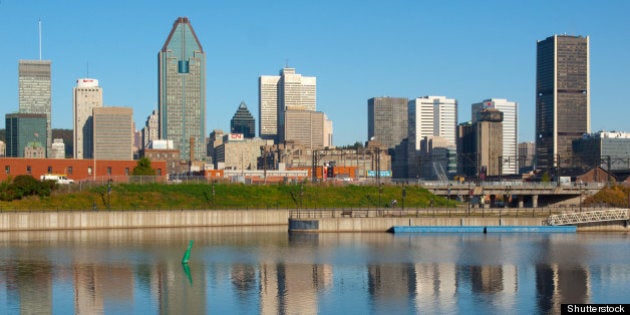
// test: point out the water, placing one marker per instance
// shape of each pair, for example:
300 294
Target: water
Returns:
265 270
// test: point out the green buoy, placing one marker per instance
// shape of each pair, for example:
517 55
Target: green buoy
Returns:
187 253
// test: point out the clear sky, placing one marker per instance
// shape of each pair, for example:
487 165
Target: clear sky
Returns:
467 50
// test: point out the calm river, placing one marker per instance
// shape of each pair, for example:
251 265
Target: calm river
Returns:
265 270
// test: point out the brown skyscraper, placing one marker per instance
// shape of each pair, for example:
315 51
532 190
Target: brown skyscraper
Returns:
562 98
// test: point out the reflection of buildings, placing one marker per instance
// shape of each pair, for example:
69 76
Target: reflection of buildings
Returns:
292 289
31 288
176 294
436 286
391 286
94 284
243 278
561 284
486 279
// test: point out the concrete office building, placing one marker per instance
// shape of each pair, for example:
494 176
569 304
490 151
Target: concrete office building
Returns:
562 97
277 94
239 153
34 93
113 133
85 96
387 120
388 124
510 130
305 127
429 116
243 122
182 91
23 130
480 145
150 130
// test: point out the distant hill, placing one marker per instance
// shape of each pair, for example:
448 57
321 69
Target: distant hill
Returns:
65 134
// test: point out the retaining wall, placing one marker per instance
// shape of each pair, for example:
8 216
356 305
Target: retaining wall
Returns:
85 220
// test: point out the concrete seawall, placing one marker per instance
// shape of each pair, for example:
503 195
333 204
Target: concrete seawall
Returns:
87 220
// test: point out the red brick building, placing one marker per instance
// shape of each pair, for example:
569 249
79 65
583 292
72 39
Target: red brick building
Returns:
78 170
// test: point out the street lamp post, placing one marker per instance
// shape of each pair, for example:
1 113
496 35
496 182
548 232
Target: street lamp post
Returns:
581 197
404 194
470 195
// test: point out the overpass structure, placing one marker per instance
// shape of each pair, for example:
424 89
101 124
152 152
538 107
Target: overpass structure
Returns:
521 193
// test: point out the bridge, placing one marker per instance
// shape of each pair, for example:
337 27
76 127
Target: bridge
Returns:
534 194
575 218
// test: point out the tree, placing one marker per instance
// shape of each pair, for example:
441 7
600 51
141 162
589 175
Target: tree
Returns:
143 168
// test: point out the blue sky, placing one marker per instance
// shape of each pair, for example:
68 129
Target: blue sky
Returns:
467 50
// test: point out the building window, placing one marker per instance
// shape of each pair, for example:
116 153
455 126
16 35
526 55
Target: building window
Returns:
159 172
49 169
7 169
69 170
28 169
89 171
126 171
109 170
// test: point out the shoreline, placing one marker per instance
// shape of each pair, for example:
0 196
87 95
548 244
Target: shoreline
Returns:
141 219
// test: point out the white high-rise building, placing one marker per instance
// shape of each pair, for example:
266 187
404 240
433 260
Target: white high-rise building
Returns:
429 116
510 130
432 116
277 94
85 96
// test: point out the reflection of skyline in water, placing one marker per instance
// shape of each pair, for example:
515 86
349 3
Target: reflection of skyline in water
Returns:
268 272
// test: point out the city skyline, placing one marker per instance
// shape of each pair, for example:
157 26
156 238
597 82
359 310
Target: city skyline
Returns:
351 56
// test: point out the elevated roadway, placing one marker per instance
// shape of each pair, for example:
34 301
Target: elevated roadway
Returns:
522 193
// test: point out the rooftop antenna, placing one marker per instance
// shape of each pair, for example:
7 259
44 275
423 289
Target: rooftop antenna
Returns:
87 69
286 63
39 22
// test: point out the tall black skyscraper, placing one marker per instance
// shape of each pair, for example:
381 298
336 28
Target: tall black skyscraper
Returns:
243 122
562 98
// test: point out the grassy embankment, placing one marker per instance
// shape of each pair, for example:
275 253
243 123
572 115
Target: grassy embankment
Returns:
226 196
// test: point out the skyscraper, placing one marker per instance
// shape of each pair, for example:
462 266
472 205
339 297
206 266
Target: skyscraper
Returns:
85 96
34 90
387 120
429 116
509 156
562 97
243 122
181 90
432 116
288 91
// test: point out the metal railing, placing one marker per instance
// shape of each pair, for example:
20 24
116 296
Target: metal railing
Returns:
542 213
